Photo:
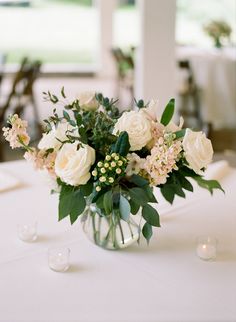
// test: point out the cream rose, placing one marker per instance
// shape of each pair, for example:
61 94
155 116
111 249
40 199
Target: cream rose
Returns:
198 150
88 101
52 139
72 166
138 127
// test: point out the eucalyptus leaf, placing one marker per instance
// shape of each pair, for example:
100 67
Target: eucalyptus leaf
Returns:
124 208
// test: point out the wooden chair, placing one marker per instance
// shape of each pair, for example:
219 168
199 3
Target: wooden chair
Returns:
190 107
21 94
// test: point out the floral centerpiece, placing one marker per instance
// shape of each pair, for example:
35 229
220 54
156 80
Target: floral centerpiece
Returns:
218 30
105 164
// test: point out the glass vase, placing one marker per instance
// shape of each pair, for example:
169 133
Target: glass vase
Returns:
109 231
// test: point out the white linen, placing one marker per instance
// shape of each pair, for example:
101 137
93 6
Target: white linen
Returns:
7 181
164 282
215 75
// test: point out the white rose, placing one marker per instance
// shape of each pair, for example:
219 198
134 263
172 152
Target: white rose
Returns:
88 101
51 140
138 127
198 150
72 166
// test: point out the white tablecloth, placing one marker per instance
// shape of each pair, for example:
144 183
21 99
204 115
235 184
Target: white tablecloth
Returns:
163 282
215 75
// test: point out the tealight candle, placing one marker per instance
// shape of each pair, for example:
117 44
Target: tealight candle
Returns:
206 248
27 232
58 259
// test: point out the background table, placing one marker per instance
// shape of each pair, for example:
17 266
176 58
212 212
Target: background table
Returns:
215 75
163 282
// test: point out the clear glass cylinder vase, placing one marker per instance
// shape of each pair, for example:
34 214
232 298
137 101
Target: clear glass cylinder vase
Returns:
109 232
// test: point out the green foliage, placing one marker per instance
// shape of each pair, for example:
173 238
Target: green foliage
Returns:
139 196
122 144
147 231
168 112
210 185
108 202
180 134
71 203
138 180
151 215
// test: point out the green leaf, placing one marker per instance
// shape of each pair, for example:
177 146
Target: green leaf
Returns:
208 184
124 208
71 202
122 145
63 92
87 189
64 201
151 215
99 202
66 115
78 205
134 207
139 196
138 180
150 195
168 112
168 193
185 183
147 231
180 134
108 202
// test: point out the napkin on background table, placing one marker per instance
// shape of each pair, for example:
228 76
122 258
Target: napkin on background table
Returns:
8 181
217 170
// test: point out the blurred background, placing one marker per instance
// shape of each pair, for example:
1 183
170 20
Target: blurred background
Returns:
123 48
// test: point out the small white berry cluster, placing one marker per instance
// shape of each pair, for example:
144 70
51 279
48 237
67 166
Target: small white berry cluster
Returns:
109 170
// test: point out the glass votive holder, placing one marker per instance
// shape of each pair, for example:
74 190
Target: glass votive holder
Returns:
59 259
27 231
206 247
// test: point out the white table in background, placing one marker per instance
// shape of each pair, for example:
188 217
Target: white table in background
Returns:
164 282
215 75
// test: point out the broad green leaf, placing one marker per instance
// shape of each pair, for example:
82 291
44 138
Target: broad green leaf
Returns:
150 195
108 202
122 145
64 201
208 184
185 183
71 202
134 207
78 205
168 193
151 215
139 196
147 231
168 112
86 189
99 202
138 180
124 208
